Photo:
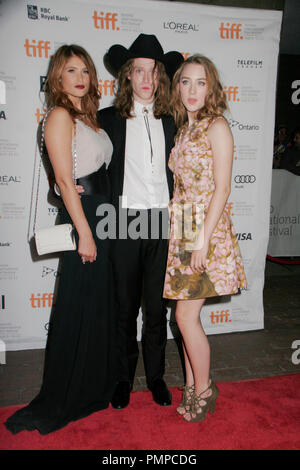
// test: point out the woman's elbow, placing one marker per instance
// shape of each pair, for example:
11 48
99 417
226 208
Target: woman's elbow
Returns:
64 184
224 191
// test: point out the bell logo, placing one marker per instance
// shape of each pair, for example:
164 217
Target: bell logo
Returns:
230 31
231 93
220 317
107 87
105 21
37 49
41 300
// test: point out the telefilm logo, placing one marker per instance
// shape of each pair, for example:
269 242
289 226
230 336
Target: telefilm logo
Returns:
47 14
249 64
178 27
230 31
105 21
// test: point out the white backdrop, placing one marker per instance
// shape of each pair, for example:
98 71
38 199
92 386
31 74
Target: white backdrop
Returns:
244 45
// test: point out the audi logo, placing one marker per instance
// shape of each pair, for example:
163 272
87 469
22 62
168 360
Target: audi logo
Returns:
244 179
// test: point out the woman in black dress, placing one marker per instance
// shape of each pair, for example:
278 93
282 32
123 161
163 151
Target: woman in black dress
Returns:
79 364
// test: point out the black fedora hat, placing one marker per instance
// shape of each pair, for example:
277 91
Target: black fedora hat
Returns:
146 46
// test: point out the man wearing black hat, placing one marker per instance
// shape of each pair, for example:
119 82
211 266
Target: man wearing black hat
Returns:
142 133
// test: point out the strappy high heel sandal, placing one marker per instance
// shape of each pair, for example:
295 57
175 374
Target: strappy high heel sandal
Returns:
201 405
187 399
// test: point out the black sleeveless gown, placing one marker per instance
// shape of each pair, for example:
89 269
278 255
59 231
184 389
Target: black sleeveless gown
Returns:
79 370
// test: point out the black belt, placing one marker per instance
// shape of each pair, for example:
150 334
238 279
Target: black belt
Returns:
95 183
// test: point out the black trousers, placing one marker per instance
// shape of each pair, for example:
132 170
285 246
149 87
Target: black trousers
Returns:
139 266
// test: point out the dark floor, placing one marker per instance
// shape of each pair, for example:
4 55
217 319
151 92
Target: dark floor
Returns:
235 356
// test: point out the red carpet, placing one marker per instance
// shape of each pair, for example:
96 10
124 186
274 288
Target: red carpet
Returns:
256 414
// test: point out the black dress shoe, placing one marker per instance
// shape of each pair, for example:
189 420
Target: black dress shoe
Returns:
121 395
161 395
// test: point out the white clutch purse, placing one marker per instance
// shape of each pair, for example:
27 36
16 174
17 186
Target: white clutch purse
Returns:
59 237
54 239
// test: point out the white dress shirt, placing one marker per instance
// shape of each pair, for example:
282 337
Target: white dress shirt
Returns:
145 182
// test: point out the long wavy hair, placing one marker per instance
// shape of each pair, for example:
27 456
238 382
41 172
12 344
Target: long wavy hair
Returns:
55 95
124 94
215 101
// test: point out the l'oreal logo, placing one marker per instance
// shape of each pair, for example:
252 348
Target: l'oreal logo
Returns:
180 27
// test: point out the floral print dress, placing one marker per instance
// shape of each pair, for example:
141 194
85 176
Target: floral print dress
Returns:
191 161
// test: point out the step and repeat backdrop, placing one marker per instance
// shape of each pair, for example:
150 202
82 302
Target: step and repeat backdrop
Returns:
243 43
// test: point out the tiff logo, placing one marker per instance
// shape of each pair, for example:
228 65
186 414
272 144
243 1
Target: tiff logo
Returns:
220 317
107 21
2 92
231 93
107 87
37 49
38 301
40 114
230 31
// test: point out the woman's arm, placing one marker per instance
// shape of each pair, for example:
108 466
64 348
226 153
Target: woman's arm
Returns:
58 139
221 140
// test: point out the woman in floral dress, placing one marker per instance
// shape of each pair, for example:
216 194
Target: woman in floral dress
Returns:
204 259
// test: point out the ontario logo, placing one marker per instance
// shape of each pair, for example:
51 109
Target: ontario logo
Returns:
243 127
180 27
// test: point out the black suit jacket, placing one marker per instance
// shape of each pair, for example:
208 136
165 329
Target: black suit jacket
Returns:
115 126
